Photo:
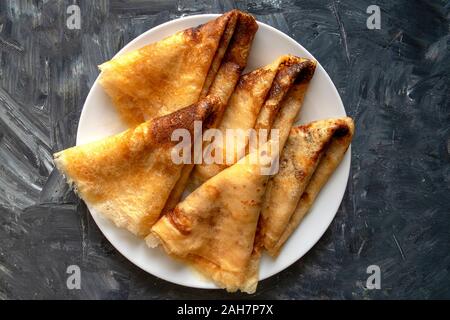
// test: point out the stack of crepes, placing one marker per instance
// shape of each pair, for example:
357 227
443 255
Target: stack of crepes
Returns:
232 211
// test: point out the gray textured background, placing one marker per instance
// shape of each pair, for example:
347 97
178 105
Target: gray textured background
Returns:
393 81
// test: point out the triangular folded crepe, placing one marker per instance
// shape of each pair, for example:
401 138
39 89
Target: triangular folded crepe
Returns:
128 177
267 97
214 228
311 154
223 85
175 72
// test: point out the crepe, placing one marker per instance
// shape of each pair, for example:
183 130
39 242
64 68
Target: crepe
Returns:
175 72
214 228
128 177
293 101
311 155
268 97
233 62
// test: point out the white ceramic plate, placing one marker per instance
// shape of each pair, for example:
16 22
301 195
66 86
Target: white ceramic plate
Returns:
99 119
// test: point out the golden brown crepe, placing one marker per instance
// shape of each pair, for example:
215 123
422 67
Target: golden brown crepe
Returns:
311 154
293 101
289 109
214 228
175 72
267 97
128 177
223 85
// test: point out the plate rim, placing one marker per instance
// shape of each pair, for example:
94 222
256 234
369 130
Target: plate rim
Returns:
339 196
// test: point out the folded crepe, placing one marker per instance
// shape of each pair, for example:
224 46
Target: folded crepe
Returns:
213 229
128 177
269 97
175 72
223 85
311 154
